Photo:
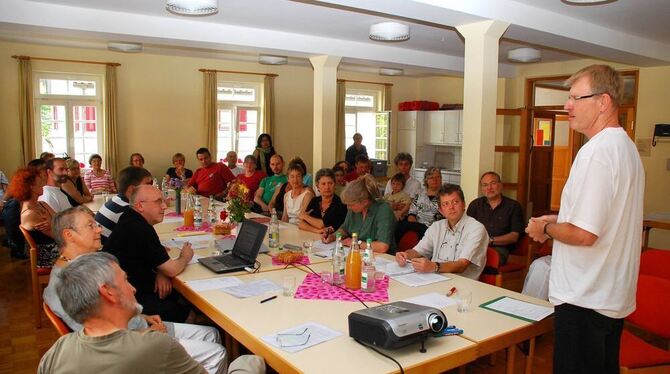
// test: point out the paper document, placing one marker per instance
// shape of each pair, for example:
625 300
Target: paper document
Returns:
392 268
197 241
432 299
520 309
173 219
300 337
320 246
213 284
195 258
254 288
419 279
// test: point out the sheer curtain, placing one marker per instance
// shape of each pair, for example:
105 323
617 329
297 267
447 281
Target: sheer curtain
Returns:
111 142
269 105
26 111
339 129
386 106
210 122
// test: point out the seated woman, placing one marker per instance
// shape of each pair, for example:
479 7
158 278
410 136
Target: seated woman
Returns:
297 199
136 159
179 171
74 187
425 207
263 153
98 180
367 216
26 187
251 177
325 213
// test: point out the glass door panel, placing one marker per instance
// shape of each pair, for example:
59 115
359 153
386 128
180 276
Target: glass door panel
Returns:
53 129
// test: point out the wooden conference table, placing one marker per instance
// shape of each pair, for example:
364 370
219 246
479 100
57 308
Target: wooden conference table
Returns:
246 320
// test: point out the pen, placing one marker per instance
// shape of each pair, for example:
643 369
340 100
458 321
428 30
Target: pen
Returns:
451 291
269 298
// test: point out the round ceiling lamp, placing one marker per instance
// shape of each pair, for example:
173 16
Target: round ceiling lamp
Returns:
192 7
389 32
587 2
125 47
272 60
524 55
391 71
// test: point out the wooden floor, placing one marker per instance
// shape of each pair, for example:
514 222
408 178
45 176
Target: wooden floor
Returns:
21 345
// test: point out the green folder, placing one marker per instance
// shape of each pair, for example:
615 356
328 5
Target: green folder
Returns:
486 306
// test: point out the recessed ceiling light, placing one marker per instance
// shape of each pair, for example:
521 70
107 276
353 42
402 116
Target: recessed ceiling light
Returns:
124 47
272 60
389 32
524 55
192 7
587 2
391 71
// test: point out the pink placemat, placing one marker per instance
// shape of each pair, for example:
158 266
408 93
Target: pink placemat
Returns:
313 289
173 214
206 227
304 260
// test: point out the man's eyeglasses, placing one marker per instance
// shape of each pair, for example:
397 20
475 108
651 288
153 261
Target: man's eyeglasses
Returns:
288 340
577 98
159 201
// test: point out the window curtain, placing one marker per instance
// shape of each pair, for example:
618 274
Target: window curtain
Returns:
26 111
269 105
339 126
211 124
111 142
386 106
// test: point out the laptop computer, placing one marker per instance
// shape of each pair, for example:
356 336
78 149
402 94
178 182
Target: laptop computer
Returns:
245 250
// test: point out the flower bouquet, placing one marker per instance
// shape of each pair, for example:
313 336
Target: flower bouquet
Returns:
177 184
238 201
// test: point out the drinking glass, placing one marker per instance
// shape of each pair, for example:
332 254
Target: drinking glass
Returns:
326 277
288 285
308 244
464 300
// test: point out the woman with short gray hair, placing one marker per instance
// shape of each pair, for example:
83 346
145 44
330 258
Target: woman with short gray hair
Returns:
325 213
424 209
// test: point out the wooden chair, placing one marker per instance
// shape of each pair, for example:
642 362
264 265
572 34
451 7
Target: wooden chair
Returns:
652 315
56 321
39 277
655 262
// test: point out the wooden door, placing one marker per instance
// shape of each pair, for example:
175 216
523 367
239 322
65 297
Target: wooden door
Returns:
562 160
541 162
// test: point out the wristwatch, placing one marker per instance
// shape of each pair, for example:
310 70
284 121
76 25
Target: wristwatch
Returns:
544 229
437 268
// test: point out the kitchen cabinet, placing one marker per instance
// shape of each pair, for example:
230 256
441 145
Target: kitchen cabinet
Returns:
443 127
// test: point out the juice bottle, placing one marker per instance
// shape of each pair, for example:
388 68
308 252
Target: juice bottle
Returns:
189 214
352 272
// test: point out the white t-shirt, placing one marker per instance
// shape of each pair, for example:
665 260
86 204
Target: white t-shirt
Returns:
237 170
604 195
412 187
467 240
55 198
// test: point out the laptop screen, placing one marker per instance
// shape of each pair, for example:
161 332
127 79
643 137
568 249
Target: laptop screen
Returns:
249 239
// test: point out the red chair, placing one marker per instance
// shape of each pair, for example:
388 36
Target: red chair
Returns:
408 241
56 321
38 275
655 262
516 267
652 315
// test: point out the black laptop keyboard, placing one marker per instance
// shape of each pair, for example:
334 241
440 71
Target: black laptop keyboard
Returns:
231 261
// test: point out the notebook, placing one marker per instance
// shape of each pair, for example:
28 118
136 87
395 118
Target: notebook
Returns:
245 250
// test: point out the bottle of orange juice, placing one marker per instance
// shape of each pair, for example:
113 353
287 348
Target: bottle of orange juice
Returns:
189 214
352 270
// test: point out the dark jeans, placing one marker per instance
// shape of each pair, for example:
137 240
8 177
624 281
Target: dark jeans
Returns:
586 341
172 308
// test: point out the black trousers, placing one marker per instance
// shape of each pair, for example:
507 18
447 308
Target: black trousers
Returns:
586 341
171 309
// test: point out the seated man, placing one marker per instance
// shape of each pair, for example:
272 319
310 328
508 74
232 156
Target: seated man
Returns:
502 216
264 195
52 194
140 252
212 178
76 233
231 159
363 166
108 215
456 244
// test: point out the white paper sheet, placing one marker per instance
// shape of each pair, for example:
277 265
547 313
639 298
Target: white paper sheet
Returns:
197 241
392 268
520 308
254 288
195 258
320 246
310 333
433 299
173 219
213 284
419 279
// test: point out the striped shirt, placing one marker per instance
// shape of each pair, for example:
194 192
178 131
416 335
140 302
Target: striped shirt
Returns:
109 214
94 182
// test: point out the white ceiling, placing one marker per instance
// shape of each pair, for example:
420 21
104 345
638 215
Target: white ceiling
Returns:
626 31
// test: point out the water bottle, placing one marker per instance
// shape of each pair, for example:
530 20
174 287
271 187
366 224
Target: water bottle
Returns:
197 214
273 234
338 260
164 188
211 211
155 182
368 272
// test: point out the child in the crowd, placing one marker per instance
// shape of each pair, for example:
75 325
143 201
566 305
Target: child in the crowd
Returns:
398 199
340 183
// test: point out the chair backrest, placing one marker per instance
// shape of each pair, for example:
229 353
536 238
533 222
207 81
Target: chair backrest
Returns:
653 310
522 247
408 241
655 262
56 321
28 237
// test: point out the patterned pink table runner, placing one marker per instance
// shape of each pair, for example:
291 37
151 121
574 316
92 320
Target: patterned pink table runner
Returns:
313 289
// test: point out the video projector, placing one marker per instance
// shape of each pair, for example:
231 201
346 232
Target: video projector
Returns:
396 324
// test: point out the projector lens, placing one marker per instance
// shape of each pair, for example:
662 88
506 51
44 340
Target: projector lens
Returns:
436 322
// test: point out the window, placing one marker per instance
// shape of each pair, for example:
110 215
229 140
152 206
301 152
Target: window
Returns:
238 116
361 116
67 118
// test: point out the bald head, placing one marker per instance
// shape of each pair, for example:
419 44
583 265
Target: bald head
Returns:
148 202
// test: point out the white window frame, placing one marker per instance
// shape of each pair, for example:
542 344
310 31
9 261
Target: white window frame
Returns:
375 110
235 107
69 101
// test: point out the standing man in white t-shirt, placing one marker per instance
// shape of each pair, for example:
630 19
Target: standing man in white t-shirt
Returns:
597 233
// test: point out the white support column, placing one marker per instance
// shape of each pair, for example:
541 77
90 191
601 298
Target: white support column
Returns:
325 110
479 101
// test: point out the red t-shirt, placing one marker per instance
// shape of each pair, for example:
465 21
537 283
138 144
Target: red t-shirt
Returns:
351 176
252 182
211 180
